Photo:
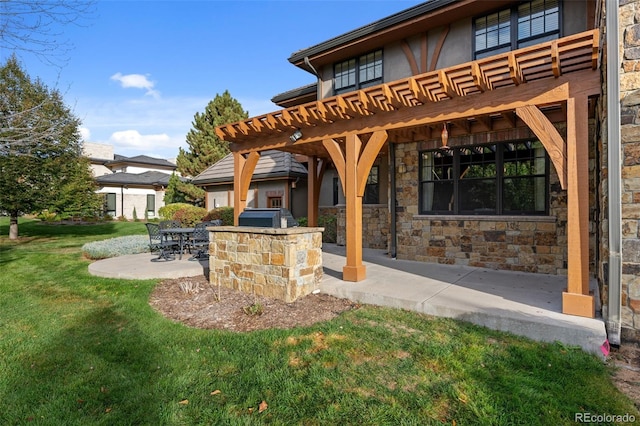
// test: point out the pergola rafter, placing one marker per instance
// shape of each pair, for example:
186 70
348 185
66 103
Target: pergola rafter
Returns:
351 129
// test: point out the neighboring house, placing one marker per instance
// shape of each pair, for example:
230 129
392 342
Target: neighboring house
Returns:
129 183
279 180
499 134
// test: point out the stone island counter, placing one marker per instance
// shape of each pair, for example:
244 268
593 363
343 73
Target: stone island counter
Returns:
283 263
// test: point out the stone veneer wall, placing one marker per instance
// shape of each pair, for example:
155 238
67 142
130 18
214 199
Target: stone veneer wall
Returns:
375 224
517 243
629 51
280 263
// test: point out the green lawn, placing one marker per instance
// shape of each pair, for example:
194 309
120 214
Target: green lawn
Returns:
81 350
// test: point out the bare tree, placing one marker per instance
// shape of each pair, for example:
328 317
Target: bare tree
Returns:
37 26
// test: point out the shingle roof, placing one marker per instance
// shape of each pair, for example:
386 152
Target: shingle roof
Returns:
149 178
368 29
142 159
271 164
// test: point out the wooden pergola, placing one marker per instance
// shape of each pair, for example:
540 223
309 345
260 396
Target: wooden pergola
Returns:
351 129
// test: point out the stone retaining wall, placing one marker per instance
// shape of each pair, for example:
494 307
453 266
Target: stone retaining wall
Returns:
281 263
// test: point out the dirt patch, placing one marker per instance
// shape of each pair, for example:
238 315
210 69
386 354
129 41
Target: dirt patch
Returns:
627 375
194 302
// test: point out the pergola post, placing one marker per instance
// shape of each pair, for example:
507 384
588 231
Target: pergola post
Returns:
354 270
313 191
243 168
577 300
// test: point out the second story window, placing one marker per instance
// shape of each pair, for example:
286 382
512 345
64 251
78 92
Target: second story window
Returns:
356 73
523 25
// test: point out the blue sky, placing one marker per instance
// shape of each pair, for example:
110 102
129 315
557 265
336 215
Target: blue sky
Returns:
139 70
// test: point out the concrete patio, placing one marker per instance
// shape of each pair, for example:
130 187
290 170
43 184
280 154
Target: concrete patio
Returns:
521 303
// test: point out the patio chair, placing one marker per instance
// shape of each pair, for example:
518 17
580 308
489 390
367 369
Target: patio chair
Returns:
165 224
200 241
157 243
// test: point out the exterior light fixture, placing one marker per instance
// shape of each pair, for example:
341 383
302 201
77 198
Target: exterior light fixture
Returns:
444 136
296 135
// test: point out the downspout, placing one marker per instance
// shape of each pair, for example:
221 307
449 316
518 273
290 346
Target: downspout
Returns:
122 200
392 200
614 302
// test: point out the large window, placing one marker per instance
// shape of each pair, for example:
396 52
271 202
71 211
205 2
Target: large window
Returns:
372 188
504 179
110 203
151 204
356 73
523 25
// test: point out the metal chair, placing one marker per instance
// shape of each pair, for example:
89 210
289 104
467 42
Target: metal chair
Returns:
157 243
200 241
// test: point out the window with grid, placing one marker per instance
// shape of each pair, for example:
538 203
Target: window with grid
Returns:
274 202
523 25
372 188
505 179
110 203
356 73
151 203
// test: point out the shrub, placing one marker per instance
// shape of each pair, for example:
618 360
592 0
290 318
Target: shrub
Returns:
119 246
47 216
329 223
223 213
189 216
167 212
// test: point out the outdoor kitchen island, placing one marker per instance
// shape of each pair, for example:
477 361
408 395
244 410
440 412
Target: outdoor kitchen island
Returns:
283 263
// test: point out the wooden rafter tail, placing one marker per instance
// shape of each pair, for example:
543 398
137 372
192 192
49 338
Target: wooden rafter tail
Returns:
333 113
510 117
369 103
392 98
270 122
446 85
321 111
346 107
401 90
419 92
243 127
555 59
515 72
221 132
313 116
256 124
479 79
283 118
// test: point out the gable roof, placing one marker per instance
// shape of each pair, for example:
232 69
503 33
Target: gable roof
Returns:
150 178
272 164
142 160
406 23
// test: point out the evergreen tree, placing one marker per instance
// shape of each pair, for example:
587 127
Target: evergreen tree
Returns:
183 192
205 148
40 147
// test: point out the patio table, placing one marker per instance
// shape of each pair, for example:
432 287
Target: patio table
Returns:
182 233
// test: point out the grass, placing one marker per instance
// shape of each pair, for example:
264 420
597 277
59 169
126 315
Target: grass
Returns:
80 350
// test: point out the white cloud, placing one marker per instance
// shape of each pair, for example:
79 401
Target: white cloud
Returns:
136 81
85 133
134 140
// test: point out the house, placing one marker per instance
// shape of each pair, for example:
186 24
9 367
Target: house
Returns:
129 183
279 180
498 134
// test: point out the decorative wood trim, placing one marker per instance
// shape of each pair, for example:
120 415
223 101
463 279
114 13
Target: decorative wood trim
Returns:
337 156
368 157
408 53
550 138
438 49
